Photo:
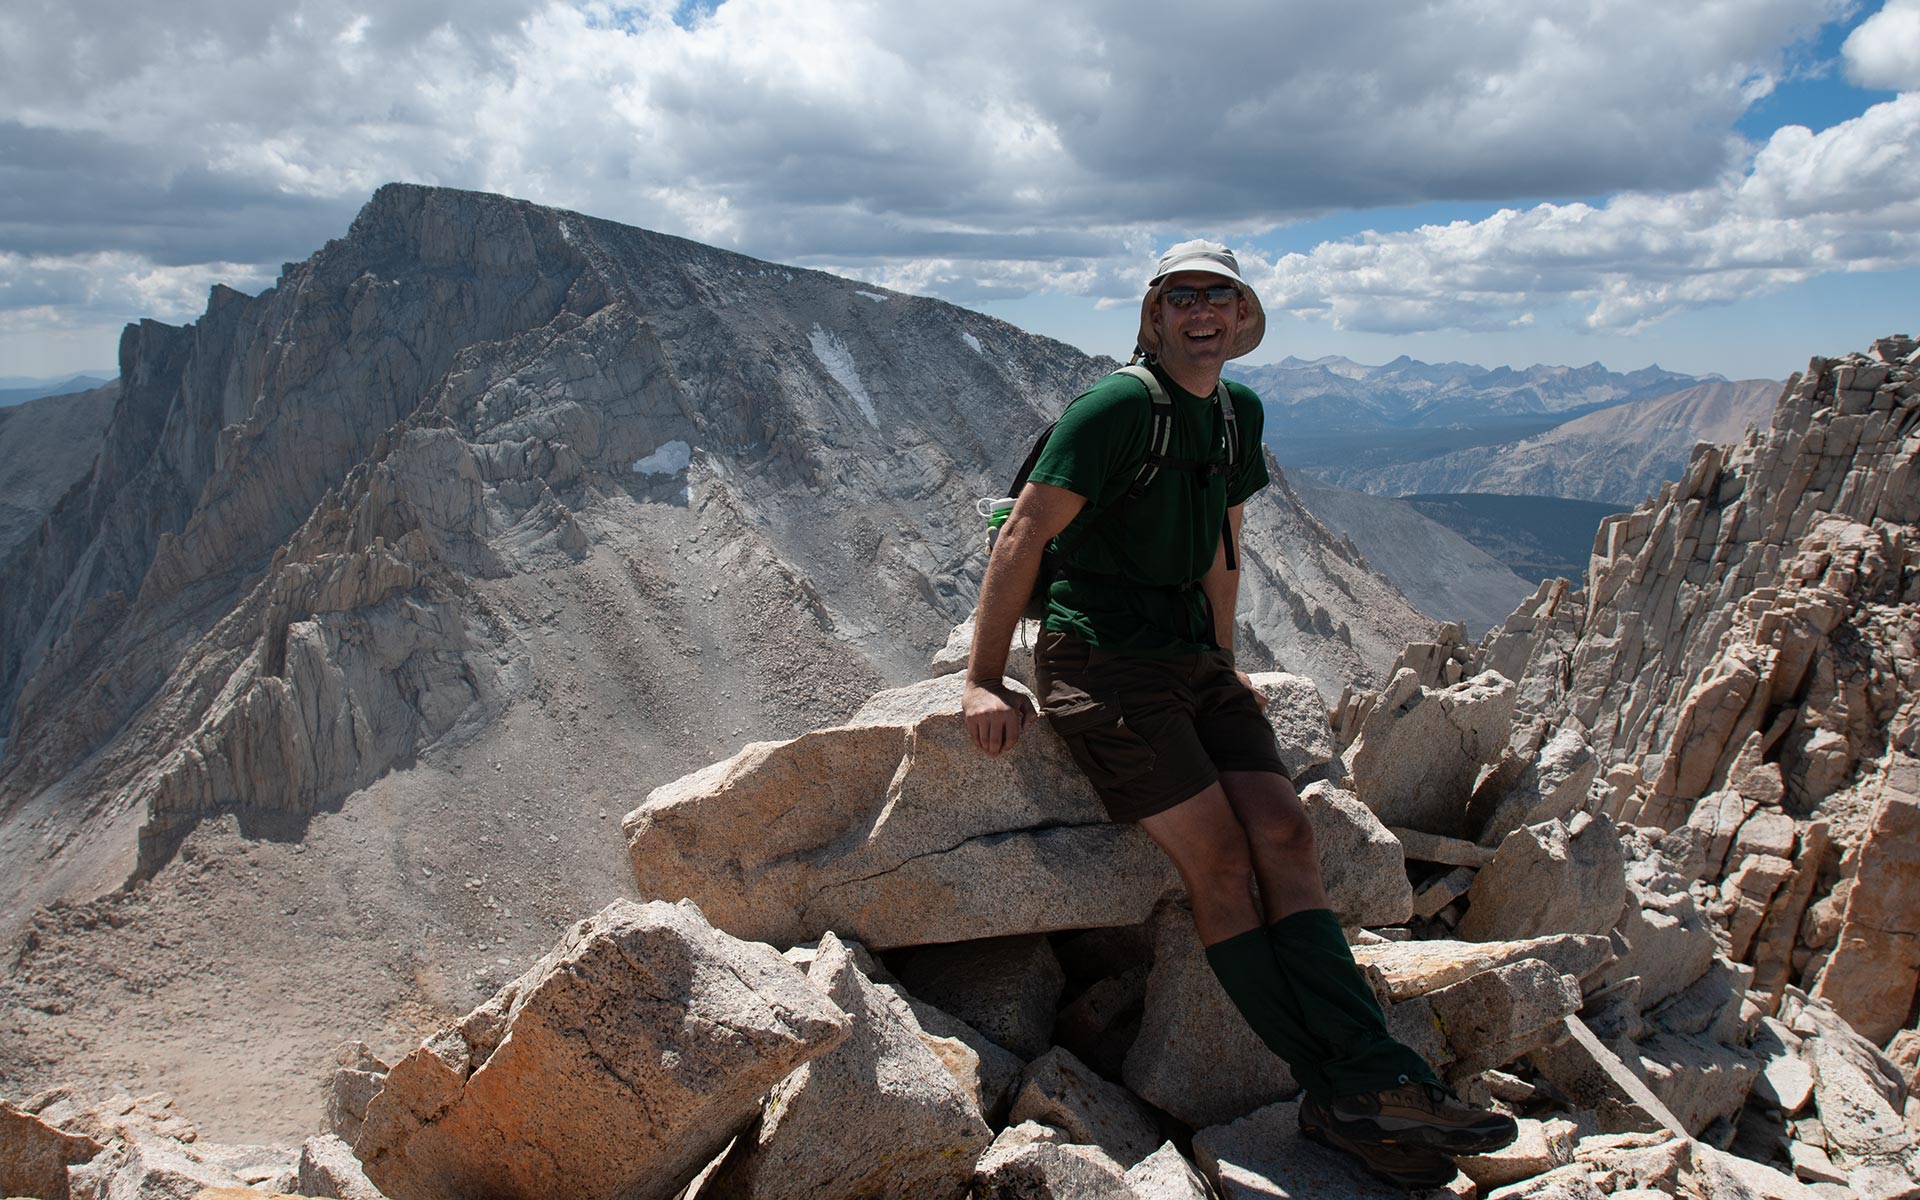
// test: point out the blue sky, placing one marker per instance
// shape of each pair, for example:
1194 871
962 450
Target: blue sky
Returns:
1720 188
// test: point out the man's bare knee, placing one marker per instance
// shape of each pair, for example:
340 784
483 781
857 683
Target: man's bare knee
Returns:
1270 811
1223 876
1286 833
1214 860
1214 855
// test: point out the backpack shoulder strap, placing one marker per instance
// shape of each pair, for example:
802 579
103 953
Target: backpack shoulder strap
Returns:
1159 434
1033 458
1224 398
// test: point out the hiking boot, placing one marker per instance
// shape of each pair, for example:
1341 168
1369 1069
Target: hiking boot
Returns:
1420 1114
1405 1166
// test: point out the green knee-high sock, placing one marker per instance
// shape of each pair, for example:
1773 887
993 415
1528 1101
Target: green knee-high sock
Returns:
1250 975
1338 1009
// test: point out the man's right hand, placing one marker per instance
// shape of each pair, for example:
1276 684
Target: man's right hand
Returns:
996 715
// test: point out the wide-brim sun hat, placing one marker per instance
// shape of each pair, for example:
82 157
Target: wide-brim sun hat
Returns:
1215 259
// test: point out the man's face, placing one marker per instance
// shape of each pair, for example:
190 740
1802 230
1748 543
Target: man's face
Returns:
1201 333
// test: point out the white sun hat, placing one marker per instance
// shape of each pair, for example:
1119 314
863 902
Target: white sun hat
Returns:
1215 259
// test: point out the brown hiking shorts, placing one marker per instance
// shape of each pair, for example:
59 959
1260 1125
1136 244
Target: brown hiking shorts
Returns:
1151 732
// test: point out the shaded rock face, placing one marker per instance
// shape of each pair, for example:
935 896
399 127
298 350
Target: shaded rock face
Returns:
47 449
320 522
1193 1056
1007 988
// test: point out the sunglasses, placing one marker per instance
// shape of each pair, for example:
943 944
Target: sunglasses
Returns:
1218 295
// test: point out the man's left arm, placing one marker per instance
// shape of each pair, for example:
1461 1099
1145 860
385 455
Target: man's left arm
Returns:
1221 584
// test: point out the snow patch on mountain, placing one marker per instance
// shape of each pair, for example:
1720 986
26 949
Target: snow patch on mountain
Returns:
670 459
838 360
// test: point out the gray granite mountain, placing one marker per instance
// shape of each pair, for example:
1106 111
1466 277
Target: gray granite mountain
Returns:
478 459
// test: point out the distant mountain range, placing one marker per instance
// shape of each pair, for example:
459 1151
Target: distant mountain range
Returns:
18 389
1521 463
1308 400
1618 455
1350 421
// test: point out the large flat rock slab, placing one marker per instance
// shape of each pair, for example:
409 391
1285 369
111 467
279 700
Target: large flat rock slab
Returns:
896 833
899 832
1415 968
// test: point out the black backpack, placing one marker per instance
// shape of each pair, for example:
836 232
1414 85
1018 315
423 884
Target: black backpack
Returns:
1053 565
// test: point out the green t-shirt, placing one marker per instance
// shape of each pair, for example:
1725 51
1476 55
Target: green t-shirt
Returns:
1167 536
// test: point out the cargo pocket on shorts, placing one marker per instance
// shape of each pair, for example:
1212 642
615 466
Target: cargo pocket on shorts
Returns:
1100 740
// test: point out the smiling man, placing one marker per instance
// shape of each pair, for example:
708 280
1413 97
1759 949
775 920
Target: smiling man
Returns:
1139 489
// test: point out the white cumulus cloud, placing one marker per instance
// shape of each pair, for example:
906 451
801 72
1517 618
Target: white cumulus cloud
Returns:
977 149
1845 199
1884 50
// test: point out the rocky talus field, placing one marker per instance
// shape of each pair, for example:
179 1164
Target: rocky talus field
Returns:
504 772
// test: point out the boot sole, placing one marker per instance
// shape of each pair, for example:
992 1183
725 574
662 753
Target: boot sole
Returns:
1423 1177
1429 1137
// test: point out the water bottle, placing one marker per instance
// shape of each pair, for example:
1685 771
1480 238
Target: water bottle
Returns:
995 510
